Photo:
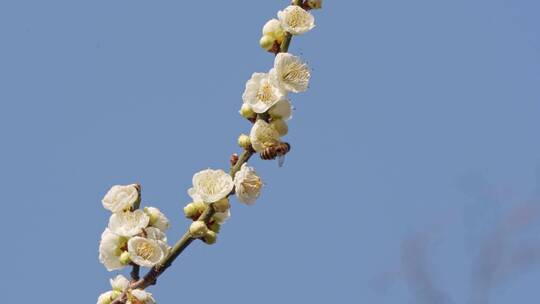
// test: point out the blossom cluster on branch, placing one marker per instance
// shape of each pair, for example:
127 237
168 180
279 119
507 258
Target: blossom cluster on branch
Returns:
137 237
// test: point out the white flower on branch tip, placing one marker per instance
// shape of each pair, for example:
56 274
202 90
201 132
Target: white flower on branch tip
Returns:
290 73
128 223
247 185
296 20
281 110
119 283
146 252
139 296
157 218
110 249
261 93
120 197
263 136
211 185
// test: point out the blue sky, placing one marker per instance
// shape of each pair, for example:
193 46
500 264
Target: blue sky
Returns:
413 176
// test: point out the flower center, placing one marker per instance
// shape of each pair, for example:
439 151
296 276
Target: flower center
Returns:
295 72
265 93
295 18
145 250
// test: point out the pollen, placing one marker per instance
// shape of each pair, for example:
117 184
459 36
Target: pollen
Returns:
265 93
145 250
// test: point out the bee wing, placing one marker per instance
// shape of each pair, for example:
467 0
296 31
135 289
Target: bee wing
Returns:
281 160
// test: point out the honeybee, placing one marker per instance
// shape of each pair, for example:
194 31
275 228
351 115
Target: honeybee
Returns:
278 151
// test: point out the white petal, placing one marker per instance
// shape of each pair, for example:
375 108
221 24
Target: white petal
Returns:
128 223
157 218
106 297
296 20
145 252
109 250
281 110
290 73
120 198
261 94
119 283
263 136
212 185
247 185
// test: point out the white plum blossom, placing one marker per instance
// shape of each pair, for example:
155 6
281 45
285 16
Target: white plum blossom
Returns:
107 297
156 234
273 29
139 296
128 223
290 73
146 252
281 110
263 136
157 218
110 249
119 283
296 20
247 185
210 185
261 93
120 198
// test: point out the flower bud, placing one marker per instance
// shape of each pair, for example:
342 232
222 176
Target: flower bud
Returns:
198 229
280 126
266 42
210 237
273 29
244 141
247 112
314 4
125 258
222 205
190 210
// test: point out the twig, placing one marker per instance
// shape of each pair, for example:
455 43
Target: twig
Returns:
151 277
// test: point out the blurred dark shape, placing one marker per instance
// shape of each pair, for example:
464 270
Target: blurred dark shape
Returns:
499 256
415 270
498 235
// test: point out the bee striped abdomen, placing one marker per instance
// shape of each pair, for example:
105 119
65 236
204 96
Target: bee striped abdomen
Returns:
274 151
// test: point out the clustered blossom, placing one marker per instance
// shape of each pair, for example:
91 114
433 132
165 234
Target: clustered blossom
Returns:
132 236
137 236
134 296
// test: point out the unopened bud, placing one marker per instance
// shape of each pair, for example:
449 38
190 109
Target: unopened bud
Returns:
190 210
280 126
266 42
222 205
198 229
125 258
210 237
247 112
244 141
